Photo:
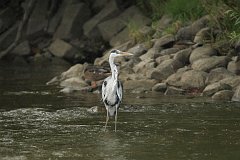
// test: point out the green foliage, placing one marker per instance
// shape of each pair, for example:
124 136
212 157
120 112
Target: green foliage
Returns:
153 8
184 10
232 25
226 14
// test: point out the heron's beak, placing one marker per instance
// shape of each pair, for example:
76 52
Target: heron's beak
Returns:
126 54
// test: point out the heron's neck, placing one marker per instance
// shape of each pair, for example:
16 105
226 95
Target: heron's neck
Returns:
114 69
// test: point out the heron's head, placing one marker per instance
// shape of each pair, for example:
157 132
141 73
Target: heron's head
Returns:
117 53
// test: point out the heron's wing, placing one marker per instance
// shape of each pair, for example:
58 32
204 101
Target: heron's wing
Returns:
119 90
104 88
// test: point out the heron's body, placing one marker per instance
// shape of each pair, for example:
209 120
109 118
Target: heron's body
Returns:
112 88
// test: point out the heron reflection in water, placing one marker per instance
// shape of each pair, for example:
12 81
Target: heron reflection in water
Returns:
112 88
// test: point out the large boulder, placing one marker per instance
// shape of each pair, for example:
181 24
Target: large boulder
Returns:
164 70
109 11
236 96
202 52
203 36
144 66
215 87
232 81
234 67
189 32
183 55
160 87
75 15
193 79
8 37
138 50
113 26
175 79
22 49
38 22
166 41
62 49
136 84
207 64
120 38
218 74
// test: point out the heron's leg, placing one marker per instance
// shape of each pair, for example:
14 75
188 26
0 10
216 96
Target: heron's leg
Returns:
107 118
116 119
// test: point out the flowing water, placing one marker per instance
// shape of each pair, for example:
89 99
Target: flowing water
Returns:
38 122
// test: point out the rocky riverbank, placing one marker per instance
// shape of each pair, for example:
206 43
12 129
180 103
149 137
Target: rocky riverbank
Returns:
189 61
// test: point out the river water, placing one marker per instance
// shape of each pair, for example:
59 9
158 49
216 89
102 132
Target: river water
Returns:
38 122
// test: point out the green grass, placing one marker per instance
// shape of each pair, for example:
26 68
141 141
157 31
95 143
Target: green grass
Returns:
184 10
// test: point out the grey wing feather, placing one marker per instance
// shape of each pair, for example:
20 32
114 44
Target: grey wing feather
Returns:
119 90
104 88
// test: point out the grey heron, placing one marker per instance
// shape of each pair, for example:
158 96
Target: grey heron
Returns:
112 88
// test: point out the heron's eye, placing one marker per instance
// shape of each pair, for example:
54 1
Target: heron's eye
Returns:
114 51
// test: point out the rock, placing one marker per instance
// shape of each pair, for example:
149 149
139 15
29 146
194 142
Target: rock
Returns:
143 66
113 26
189 32
175 79
202 52
160 87
166 41
7 18
207 64
203 36
163 58
193 79
74 83
232 81
218 74
174 91
136 84
74 71
164 70
234 67
223 95
236 96
60 48
8 37
168 51
120 38
22 49
37 23
215 87
109 11
183 56
138 50
149 54
95 109
75 15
